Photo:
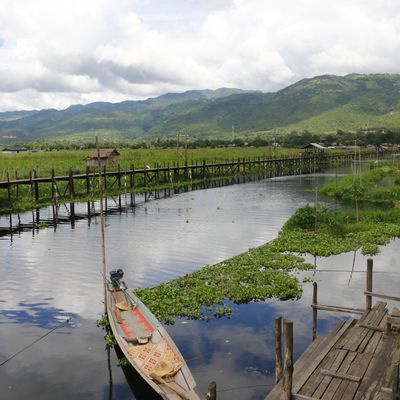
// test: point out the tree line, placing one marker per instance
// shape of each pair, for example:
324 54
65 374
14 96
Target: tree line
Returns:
294 139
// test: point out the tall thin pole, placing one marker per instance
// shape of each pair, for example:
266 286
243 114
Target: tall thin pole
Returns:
177 147
103 247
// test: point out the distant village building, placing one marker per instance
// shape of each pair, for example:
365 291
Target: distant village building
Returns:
314 148
14 149
107 157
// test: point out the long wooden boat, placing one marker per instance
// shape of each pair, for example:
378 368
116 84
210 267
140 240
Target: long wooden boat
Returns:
147 345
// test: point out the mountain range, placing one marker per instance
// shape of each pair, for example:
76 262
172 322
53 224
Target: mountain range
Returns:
322 104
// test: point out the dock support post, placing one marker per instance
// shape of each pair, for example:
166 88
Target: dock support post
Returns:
314 311
71 184
53 185
212 391
288 373
87 181
368 298
104 186
16 178
119 188
278 350
36 186
9 191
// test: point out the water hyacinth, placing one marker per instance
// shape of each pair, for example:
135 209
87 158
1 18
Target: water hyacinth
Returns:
256 275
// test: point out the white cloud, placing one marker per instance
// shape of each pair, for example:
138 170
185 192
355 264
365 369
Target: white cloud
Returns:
53 54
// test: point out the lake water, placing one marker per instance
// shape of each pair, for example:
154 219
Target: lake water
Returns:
52 275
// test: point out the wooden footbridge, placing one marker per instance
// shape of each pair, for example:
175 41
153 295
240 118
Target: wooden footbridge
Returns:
72 185
359 359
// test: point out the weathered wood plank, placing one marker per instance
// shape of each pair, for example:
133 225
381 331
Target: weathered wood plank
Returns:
382 296
297 396
367 345
348 310
372 327
335 382
330 343
359 368
316 379
339 375
373 317
326 380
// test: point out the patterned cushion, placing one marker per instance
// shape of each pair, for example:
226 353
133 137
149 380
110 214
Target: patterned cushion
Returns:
156 357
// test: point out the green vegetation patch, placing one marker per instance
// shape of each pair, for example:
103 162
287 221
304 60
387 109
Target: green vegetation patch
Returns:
256 275
324 232
379 185
322 244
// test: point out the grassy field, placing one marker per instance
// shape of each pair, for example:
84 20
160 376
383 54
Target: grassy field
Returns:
22 163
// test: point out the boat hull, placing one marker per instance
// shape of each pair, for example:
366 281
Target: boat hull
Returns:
148 347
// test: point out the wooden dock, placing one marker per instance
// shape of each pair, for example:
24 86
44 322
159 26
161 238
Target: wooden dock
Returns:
358 359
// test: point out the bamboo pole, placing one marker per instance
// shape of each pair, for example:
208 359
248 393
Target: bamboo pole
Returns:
103 248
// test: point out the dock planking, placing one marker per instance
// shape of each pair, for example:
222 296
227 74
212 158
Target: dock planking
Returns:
352 362
358 360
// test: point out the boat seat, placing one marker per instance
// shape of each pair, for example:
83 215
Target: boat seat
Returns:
138 339
123 306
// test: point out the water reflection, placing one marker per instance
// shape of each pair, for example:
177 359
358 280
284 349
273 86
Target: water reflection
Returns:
35 314
51 274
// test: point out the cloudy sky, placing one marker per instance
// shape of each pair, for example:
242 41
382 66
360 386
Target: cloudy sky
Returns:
54 53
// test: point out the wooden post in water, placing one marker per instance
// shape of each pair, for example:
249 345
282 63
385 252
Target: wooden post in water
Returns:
157 174
212 391
119 188
104 184
71 184
31 182
315 310
278 350
72 213
144 176
132 184
368 298
288 373
9 191
16 178
87 180
53 188
88 189
36 186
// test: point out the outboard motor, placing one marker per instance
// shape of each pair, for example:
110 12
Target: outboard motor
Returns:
116 276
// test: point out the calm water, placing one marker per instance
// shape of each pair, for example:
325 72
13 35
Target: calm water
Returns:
52 275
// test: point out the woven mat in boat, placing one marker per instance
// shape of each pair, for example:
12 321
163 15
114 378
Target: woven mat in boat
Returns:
149 355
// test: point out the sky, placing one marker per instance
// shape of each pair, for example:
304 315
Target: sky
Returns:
54 53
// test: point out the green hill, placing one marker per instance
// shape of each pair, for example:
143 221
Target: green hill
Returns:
321 104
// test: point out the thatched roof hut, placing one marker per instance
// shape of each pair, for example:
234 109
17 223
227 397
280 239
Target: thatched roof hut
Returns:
107 157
